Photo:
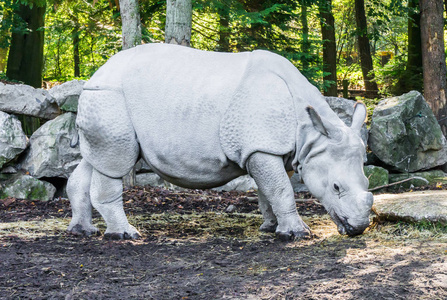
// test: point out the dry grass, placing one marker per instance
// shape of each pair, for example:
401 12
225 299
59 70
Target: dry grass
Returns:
243 227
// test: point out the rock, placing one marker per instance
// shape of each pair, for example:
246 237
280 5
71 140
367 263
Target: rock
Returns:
27 187
431 177
428 206
8 170
67 94
377 176
142 167
25 100
151 179
13 140
50 154
344 108
242 183
230 209
405 134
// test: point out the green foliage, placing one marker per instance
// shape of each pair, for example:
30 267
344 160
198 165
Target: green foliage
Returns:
97 28
226 25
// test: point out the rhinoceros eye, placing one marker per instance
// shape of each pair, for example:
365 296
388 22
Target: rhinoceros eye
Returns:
336 187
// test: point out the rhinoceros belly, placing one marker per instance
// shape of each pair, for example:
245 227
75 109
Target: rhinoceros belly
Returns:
176 101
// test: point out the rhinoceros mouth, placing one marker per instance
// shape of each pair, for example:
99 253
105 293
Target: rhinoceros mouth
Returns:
344 227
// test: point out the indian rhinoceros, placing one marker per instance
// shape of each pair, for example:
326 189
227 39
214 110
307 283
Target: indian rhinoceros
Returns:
200 119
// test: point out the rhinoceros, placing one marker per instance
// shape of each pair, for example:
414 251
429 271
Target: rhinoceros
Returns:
200 119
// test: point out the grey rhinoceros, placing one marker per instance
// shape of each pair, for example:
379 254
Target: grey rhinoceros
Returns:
201 119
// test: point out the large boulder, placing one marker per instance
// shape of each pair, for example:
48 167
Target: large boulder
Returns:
420 179
377 176
344 108
67 94
405 134
12 138
25 100
426 206
27 187
50 154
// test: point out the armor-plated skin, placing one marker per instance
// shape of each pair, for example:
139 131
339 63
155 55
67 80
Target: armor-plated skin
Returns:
201 119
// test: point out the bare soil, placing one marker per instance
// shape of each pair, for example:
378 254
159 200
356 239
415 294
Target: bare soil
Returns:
192 249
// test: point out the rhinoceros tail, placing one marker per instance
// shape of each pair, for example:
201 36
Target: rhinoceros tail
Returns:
75 139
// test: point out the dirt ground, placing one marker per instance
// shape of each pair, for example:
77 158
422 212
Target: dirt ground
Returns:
192 249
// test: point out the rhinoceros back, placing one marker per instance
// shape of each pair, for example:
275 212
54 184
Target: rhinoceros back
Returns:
176 98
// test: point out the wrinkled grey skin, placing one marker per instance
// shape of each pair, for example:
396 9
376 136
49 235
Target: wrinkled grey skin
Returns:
201 119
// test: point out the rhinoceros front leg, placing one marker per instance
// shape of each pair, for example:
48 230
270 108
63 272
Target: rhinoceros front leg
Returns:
78 190
274 185
270 221
107 199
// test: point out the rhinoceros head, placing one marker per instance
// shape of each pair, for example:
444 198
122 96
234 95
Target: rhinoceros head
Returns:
332 169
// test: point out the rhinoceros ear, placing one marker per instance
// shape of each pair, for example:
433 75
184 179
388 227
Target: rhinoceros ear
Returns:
316 121
359 116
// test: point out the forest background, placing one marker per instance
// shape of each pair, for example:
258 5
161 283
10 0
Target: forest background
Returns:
375 46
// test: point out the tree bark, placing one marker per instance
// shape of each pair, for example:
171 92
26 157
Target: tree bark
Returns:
131 37
305 45
224 30
365 49
76 57
25 60
178 22
329 48
412 78
433 58
131 23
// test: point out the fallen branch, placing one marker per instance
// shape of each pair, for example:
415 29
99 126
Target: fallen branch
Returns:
398 182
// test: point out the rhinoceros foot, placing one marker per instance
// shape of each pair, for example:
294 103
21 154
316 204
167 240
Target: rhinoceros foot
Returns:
268 226
294 235
130 234
80 230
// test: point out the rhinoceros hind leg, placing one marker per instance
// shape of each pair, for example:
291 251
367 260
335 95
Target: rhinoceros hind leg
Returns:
78 190
271 177
107 199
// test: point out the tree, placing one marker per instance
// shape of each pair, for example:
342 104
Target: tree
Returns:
25 60
365 49
131 26
433 58
178 22
412 78
329 48
224 27
305 44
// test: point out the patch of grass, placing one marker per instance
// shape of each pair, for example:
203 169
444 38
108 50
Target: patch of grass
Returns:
204 225
33 229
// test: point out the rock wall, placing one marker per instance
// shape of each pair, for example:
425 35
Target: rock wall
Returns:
404 137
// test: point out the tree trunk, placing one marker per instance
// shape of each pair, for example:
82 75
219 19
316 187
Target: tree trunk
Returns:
412 78
433 58
329 48
305 45
76 58
224 30
365 49
131 37
25 60
178 22
131 24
